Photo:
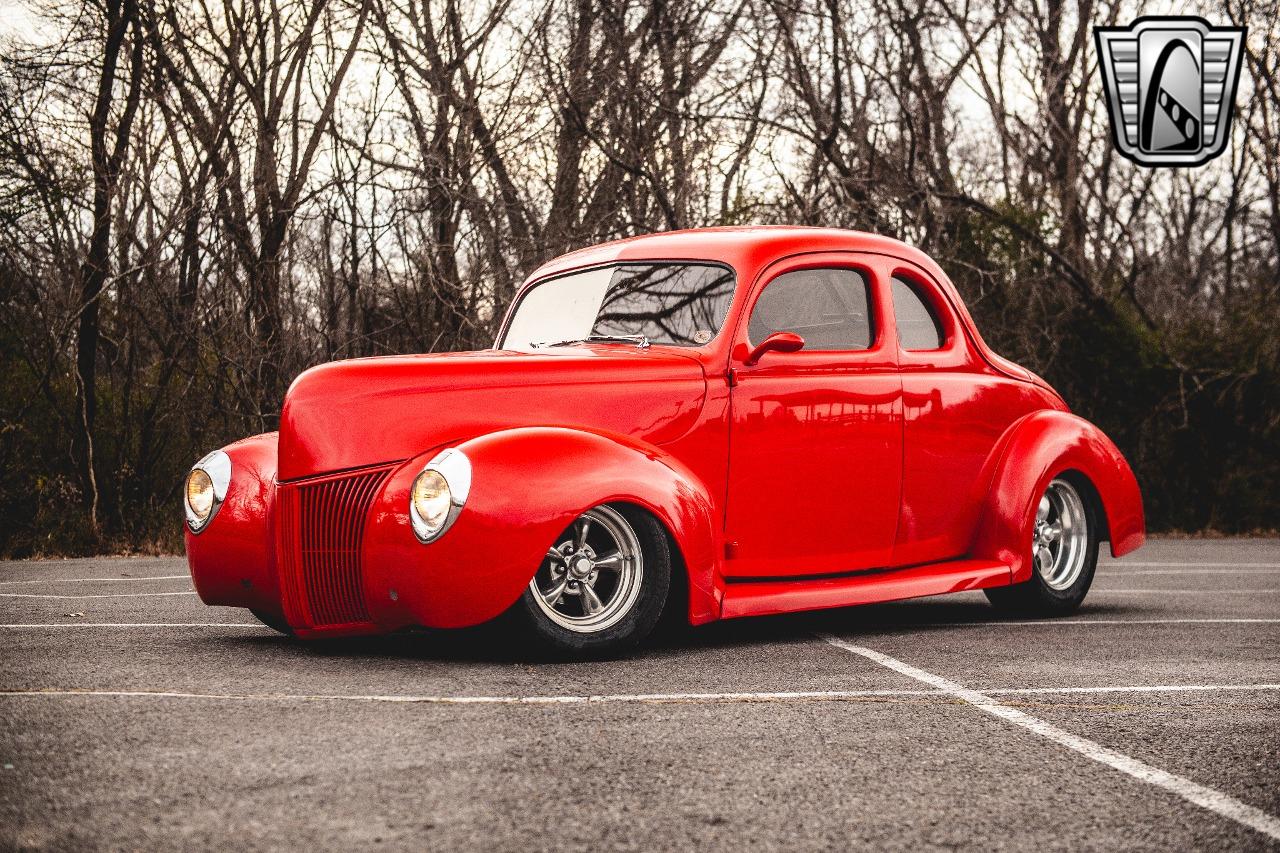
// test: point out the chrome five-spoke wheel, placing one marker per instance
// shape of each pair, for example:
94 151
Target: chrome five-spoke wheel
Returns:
590 580
1060 537
602 584
1063 552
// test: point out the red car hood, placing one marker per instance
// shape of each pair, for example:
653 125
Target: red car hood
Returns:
348 414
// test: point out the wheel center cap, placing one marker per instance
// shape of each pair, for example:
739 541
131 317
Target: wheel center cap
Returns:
581 567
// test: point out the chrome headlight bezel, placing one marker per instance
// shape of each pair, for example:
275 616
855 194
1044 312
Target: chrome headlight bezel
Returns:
217 465
454 466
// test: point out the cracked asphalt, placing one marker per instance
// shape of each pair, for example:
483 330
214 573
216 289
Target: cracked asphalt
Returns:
150 721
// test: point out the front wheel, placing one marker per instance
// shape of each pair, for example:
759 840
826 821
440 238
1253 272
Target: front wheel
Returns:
1064 554
273 622
601 586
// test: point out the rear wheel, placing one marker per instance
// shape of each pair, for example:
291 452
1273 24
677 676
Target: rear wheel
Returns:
601 586
1064 555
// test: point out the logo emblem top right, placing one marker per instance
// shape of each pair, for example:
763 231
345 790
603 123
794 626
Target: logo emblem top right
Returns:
1171 85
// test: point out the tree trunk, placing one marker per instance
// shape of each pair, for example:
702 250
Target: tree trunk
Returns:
95 269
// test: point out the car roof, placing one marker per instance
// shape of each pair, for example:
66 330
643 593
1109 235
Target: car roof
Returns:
751 248
741 247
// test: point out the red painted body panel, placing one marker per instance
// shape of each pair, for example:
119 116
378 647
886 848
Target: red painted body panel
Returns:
1038 448
761 599
347 414
233 559
829 420
482 565
919 466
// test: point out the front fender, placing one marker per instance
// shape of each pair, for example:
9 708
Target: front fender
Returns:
1036 449
232 560
528 484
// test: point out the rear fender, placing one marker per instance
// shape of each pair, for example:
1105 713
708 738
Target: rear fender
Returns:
1036 449
527 486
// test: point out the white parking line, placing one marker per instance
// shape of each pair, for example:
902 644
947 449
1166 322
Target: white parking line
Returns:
1162 591
1030 623
99 580
1227 572
1208 798
1053 623
632 698
17 625
134 625
1154 688
106 595
1123 563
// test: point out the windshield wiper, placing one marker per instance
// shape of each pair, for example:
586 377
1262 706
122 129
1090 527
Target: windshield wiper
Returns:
640 341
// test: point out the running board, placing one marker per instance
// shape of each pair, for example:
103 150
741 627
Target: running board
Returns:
761 599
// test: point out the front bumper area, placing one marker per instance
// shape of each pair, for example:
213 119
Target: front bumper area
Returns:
232 559
289 551
319 527
335 555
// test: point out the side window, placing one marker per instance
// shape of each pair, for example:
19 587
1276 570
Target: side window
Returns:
918 326
829 308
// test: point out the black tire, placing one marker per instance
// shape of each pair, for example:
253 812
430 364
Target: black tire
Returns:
275 623
1036 597
633 626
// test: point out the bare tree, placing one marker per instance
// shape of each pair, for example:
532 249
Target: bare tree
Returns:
107 146
240 72
199 199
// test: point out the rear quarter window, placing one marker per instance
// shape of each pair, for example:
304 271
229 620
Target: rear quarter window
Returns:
918 325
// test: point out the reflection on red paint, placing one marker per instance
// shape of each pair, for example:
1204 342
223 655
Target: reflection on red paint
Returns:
891 473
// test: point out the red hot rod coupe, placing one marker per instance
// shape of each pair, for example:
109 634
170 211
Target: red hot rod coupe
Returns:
722 423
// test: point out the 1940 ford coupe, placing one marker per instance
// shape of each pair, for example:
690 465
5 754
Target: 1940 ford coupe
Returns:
716 423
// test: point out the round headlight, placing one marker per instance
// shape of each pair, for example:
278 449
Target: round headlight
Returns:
200 495
432 501
205 489
438 494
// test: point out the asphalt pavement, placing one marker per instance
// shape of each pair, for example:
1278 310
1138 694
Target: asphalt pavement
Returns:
134 717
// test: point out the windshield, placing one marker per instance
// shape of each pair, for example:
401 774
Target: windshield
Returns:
680 304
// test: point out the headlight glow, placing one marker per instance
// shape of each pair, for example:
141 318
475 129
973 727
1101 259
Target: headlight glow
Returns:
200 494
438 494
431 500
205 489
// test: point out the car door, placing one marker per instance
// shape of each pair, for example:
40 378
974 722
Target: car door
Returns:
815 445
955 409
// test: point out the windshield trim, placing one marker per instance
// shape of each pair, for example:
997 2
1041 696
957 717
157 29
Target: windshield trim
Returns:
501 339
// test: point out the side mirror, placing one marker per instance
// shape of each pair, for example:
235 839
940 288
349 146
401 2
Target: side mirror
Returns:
777 342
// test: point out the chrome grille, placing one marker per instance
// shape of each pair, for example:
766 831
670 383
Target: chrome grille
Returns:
321 530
